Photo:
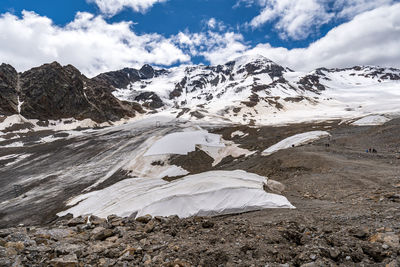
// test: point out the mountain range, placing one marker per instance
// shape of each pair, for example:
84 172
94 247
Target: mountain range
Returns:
247 90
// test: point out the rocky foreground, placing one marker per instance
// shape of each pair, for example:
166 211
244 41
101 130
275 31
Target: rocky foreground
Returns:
305 237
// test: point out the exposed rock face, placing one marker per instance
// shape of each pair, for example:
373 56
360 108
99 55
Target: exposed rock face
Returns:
8 90
53 92
123 78
150 99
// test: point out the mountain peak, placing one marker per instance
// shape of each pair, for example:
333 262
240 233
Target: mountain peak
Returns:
245 59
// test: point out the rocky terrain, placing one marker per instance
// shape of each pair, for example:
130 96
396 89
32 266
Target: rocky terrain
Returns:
346 212
52 92
345 186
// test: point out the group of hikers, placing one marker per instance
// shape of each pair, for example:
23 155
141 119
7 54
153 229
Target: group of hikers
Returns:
371 150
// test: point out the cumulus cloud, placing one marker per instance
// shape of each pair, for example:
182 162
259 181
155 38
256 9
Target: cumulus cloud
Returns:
294 18
93 45
88 42
297 19
371 38
215 47
216 25
349 9
112 7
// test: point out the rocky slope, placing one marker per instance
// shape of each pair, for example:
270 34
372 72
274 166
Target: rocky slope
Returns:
247 90
52 92
8 90
197 241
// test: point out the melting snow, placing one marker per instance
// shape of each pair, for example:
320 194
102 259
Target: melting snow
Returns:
205 194
295 140
183 142
371 120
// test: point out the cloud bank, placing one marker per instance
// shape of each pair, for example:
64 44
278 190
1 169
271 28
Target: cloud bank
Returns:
94 45
370 38
298 19
89 43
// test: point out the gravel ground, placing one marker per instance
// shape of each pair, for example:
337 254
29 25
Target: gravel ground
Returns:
347 212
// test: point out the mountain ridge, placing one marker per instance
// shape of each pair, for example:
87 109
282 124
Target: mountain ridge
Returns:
239 90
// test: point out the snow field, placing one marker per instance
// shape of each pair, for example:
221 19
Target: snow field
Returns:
204 194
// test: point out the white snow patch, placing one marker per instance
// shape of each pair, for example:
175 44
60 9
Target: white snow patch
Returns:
238 133
11 120
295 140
371 120
15 144
205 194
219 153
183 142
19 105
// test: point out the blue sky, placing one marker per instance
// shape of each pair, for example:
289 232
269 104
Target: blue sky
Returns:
172 32
169 18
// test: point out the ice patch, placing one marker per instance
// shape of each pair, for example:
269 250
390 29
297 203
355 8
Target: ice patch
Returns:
238 133
183 142
205 194
11 120
295 140
371 120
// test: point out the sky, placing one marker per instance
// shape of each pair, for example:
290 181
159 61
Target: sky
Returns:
103 35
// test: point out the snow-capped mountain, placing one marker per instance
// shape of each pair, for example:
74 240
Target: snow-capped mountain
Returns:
250 89
255 89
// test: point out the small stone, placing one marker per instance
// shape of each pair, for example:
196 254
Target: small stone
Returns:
149 227
385 246
65 261
207 224
348 258
144 219
76 221
102 235
360 232
96 220
19 246
334 253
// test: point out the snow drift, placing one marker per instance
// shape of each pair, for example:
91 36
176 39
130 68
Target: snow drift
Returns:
371 120
295 140
182 143
205 194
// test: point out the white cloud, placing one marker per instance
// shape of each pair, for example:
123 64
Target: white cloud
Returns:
349 9
294 18
89 43
214 24
371 38
93 45
112 7
297 19
213 46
